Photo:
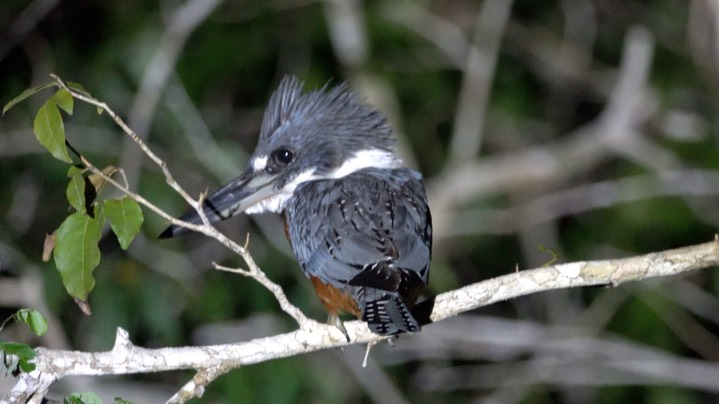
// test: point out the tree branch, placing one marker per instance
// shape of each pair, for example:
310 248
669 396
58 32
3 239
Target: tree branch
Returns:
214 360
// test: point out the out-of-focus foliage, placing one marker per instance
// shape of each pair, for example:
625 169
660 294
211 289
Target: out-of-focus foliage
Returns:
597 136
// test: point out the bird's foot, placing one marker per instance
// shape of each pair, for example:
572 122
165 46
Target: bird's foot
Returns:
335 320
391 340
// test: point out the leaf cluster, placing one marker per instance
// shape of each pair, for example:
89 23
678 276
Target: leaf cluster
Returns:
74 244
23 353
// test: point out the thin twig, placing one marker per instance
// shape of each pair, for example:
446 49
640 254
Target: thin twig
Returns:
196 386
206 228
240 271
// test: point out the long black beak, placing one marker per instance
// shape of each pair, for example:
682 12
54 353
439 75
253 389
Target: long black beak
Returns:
234 198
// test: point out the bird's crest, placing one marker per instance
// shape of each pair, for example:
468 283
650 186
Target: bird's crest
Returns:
338 109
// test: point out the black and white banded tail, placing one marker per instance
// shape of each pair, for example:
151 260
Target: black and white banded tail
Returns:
389 315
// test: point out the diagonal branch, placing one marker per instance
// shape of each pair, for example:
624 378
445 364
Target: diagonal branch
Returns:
206 228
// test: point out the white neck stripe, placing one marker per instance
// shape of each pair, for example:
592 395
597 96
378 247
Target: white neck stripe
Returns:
370 158
276 203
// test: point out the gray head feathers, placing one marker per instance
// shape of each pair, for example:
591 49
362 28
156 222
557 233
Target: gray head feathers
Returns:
337 115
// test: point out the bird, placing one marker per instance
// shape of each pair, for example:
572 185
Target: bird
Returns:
356 217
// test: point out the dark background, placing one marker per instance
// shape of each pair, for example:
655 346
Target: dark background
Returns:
585 128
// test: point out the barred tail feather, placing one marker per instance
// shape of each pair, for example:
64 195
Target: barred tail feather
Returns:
389 315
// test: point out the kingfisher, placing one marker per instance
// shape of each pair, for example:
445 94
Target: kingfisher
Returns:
357 219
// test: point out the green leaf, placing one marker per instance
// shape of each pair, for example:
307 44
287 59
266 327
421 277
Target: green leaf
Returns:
76 253
87 397
125 219
17 349
99 214
34 319
26 366
50 131
27 93
76 192
63 99
23 352
74 170
120 400
77 87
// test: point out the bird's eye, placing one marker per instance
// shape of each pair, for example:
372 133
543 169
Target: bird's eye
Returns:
283 156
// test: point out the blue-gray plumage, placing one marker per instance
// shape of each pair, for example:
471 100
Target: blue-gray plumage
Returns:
358 221
368 234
